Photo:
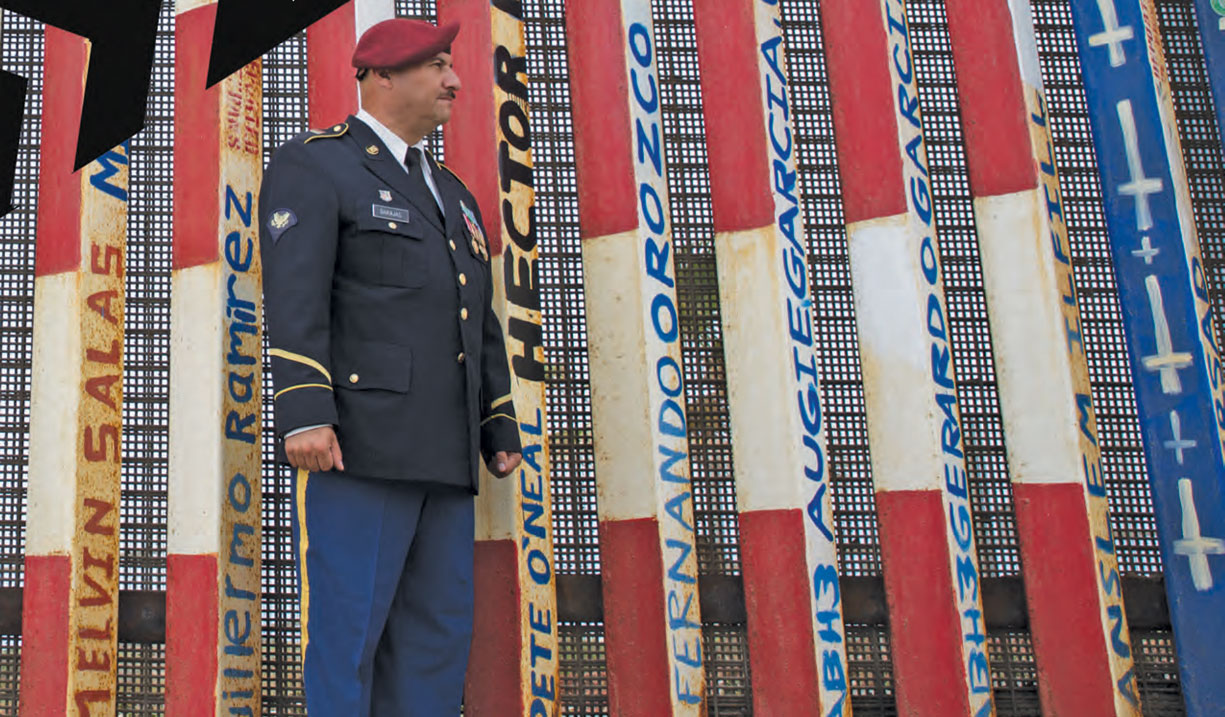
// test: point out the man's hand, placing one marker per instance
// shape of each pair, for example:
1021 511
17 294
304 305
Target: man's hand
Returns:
315 450
503 463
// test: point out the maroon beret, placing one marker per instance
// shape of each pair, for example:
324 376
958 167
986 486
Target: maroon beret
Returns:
400 42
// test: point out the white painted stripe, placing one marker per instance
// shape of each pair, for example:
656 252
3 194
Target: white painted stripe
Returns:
184 6
760 370
895 352
55 441
194 508
1029 338
620 398
369 12
1026 43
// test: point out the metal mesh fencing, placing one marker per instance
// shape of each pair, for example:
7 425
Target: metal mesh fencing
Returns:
584 682
23 55
146 373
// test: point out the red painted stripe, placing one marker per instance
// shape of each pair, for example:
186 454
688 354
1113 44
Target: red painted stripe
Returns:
735 124
197 148
599 90
493 684
777 599
1062 596
864 104
332 85
635 644
58 241
191 634
993 112
44 634
924 628
471 135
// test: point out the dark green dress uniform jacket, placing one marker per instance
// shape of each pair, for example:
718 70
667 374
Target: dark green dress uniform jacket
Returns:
378 310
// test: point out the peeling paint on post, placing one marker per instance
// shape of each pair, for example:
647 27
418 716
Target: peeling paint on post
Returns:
70 609
1080 633
914 424
213 566
653 625
489 144
796 634
1167 314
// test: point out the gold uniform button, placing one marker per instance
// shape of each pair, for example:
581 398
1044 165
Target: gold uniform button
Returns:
392 225
460 357
463 280
352 378
452 243
463 314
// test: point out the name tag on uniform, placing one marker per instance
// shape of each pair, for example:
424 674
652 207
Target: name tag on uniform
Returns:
398 214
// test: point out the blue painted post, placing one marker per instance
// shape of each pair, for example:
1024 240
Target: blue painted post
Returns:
1167 314
1210 16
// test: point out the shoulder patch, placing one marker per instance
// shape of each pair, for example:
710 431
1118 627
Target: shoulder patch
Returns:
329 133
280 221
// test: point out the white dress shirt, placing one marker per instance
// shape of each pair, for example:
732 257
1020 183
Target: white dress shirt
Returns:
399 148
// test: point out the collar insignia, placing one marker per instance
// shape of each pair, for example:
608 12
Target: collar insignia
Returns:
372 150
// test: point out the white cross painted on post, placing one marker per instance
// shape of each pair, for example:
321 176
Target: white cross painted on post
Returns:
1111 36
1193 544
1166 361
1146 250
1178 444
1140 186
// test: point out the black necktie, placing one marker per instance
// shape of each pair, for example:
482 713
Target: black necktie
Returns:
412 161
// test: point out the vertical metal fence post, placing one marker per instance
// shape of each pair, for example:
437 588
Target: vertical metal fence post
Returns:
797 644
652 620
331 85
70 606
1172 344
514 663
914 424
1079 628
213 562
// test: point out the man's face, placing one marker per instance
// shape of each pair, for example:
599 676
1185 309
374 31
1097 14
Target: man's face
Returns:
425 92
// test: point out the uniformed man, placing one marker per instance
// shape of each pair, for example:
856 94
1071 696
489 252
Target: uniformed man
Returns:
390 375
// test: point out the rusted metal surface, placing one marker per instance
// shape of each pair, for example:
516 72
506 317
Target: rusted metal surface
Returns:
797 643
645 496
71 649
95 581
1050 423
489 145
213 575
914 419
238 579
519 283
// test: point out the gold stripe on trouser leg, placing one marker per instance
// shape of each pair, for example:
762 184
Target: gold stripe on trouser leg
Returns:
304 593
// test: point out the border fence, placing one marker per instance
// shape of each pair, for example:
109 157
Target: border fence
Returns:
1153 550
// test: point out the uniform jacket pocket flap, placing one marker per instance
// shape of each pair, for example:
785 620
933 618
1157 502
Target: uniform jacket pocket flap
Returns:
384 218
369 365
